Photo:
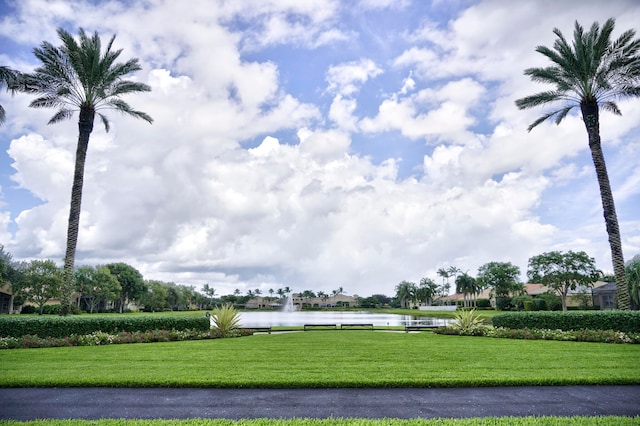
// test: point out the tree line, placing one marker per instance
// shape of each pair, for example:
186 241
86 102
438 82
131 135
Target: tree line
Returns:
561 272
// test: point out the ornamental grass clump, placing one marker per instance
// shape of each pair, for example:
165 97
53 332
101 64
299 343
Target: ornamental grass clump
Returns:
466 322
226 321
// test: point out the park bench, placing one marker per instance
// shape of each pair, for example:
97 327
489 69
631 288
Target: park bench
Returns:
356 326
261 329
419 327
319 326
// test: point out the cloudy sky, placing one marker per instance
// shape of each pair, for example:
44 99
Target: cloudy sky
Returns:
316 144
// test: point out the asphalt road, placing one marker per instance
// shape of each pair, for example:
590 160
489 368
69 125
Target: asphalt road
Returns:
172 403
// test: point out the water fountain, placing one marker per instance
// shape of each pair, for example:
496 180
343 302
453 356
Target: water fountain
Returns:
288 305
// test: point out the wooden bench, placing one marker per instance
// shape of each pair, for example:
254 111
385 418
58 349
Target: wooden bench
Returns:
419 327
356 326
261 329
319 326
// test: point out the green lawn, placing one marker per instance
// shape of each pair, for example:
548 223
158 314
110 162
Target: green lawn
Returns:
326 359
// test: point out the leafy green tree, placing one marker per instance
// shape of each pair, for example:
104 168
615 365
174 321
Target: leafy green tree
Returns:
501 277
175 297
97 285
12 274
131 282
80 77
405 293
563 271
155 298
43 282
6 259
633 277
591 73
8 80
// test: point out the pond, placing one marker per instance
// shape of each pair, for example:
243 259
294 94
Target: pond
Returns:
300 318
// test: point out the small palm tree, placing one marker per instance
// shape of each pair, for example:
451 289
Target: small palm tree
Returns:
8 79
80 77
591 73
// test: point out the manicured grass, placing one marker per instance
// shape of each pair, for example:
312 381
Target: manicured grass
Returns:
326 359
502 421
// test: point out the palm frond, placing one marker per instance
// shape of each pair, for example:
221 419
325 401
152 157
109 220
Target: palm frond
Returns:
611 106
560 114
123 107
47 102
125 86
62 114
538 99
105 122
3 115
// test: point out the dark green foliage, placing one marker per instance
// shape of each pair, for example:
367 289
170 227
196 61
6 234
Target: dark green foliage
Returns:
503 303
14 326
483 303
530 305
549 302
625 321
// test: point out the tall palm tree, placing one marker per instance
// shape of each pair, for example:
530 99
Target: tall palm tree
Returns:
8 79
80 77
466 285
591 73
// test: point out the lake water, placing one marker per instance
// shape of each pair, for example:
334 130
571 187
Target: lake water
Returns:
300 318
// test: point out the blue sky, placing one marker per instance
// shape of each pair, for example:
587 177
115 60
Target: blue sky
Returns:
316 144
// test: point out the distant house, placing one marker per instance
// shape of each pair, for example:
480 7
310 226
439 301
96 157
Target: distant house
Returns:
604 296
575 297
6 299
324 302
260 302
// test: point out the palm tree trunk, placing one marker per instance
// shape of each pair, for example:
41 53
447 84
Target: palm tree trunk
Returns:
85 127
590 115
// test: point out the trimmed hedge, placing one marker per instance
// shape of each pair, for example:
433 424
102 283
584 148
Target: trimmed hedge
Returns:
625 321
15 326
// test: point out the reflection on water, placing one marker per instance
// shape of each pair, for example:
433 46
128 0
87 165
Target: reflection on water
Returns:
300 318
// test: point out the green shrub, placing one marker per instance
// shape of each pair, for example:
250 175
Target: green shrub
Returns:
552 301
503 303
530 305
483 303
518 302
51 309
29 309
541 304
625 321
56 326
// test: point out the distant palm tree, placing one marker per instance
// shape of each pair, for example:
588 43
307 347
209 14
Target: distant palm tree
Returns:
8 79
405 293
79 77
592 73
466 285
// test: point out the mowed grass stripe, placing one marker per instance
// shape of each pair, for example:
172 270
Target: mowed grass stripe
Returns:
326 359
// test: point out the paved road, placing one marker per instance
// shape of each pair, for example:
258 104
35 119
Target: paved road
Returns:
99 403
